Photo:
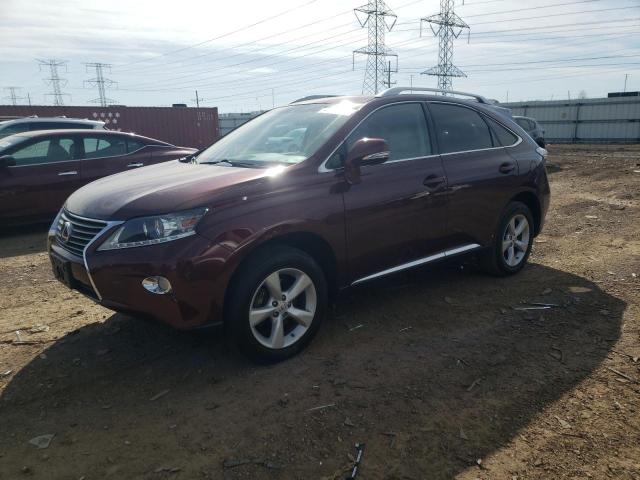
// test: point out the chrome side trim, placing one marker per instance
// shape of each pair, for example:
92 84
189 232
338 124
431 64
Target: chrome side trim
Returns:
377 156
108 227
420 261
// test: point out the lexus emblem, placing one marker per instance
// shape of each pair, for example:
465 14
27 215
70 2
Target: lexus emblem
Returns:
66 231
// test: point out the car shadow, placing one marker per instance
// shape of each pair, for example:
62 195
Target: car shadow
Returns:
432 370
23 240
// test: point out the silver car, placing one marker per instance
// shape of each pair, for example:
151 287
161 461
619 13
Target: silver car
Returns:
30 124
533 128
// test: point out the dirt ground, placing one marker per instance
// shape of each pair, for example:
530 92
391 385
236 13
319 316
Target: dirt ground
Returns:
437 371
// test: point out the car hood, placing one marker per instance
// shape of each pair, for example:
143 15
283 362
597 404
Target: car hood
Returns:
163 188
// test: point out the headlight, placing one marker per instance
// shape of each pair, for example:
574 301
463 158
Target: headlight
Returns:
151 230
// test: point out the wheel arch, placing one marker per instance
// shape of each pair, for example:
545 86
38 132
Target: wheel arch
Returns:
531 200
312 244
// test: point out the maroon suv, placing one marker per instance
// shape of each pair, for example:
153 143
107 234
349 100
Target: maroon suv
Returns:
257 230
40 169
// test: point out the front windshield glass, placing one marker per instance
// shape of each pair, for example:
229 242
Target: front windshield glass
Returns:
284 135
11 140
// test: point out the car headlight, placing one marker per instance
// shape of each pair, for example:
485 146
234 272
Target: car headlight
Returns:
143 231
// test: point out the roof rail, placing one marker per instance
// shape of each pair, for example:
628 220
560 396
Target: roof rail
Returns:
398 90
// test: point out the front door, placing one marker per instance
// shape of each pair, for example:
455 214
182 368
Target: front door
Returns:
395 216
45 174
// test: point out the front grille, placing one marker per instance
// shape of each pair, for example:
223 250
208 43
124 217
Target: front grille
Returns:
79 232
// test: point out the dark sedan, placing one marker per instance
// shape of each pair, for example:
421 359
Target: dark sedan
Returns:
39 170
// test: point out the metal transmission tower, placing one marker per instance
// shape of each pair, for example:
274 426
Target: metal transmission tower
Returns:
378 18
13 95
100 82
447 26
54 80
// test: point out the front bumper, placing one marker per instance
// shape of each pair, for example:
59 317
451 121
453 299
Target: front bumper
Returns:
196 267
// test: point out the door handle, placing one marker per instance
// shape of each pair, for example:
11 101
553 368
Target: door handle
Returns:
135 165
65 174
433 182
507 167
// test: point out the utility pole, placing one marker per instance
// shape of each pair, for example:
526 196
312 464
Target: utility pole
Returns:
447 26
54 80
197 100
388 81
626 76
101 82
13 95
378 18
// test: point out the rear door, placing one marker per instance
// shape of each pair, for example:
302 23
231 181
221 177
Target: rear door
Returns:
103 154
396 214
138 154
45 174
481 173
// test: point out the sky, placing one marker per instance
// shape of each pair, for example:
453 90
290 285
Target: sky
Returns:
247 55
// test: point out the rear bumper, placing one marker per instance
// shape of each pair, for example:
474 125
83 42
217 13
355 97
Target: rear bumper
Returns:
195 266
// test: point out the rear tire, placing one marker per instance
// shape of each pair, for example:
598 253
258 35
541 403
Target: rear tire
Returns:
277 302
512 241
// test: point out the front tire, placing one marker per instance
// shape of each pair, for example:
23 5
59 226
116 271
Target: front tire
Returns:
277 303
512 241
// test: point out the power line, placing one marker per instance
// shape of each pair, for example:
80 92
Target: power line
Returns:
268 37
264 20
449 27
100 82
378 18
54 79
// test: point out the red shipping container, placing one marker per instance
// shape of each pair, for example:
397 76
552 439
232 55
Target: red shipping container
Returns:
182 126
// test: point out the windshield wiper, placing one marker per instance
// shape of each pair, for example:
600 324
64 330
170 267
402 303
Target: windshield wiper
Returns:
236 163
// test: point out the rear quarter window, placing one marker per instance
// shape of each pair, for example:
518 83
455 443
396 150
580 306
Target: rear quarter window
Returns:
505 137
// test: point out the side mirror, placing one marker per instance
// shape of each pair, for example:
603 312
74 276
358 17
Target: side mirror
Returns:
7 161
366 151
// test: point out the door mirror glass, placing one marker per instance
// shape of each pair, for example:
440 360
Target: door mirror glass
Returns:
7 161
366 151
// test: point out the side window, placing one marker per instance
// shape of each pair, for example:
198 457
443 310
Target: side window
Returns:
96 147
403 126
505 137
459 128
15 128
134 145
524 124
33 126
45 151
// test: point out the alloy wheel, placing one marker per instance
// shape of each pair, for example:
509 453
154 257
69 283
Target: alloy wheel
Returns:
282 308
515 240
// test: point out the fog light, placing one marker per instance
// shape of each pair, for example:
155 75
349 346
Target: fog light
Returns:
158 285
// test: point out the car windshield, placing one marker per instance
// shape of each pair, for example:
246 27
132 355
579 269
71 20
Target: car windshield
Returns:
284 135
11 140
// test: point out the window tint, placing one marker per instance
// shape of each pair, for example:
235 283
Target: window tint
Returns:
45 151
133 145
460 129
505 137
403 126
95 147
